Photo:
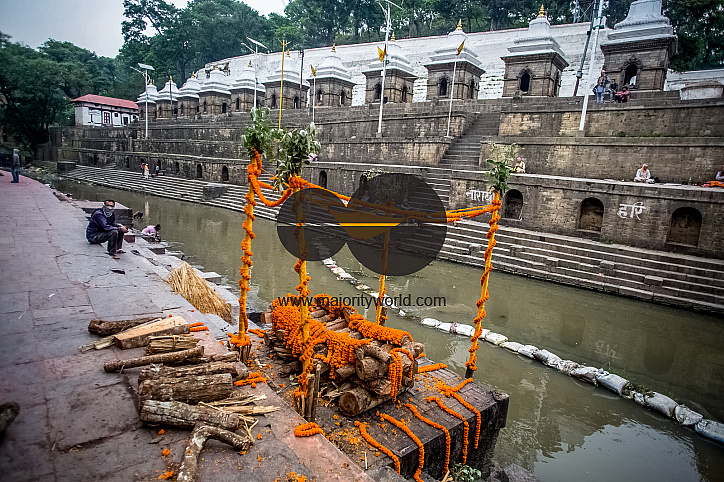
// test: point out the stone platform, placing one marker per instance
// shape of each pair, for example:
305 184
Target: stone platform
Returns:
493 406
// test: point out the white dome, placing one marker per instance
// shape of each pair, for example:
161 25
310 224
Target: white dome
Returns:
216 82
332 66
191 88
169 91
151 94
247 80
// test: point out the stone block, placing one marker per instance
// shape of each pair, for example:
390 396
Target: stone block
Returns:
653 280
65 166
474 248
211 277
552 262
157 249
129 238
607 266
213 190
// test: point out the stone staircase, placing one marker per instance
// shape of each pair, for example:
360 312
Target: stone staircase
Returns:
464 151
668 278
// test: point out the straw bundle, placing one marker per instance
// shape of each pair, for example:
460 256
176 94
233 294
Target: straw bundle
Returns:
184 281
169 343
240 405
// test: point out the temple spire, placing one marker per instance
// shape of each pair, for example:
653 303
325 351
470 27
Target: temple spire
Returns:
542 12
333 48
393 36
460 24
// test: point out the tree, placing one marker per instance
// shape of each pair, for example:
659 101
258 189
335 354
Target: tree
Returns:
699 26
142 12
30 98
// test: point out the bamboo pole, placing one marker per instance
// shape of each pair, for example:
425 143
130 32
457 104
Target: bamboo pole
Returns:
379 312
484 293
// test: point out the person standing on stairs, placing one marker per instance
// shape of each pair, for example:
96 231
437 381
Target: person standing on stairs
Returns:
145 170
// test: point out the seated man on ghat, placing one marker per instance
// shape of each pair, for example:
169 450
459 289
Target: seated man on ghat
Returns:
102 227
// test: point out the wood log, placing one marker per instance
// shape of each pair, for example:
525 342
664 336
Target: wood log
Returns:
201 388
159 371
139 335
290 368
232 356
359 400
106 327
189 469
178 356
345 372
315 396
336 325
309 397
318 313
415 348
178 414
370 368
374 352
326 319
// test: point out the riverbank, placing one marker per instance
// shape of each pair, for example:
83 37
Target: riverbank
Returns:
77 422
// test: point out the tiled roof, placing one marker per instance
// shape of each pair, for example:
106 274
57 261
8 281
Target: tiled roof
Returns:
99 99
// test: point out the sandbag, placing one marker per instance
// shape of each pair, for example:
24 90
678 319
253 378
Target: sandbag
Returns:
444 327
512 346
661 403
567 366
547 358
686 416
639 398
587 374
710 428
496 338
431 322
462 329
528 351
613 382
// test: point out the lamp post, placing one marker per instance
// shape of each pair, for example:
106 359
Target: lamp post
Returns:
598 27
145 68
257 44
388 26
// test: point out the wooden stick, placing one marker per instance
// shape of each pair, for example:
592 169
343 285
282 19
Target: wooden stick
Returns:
147 360
160 371
195 389
189 470
104 328
315 395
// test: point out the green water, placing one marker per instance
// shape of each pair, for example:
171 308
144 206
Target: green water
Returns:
559 428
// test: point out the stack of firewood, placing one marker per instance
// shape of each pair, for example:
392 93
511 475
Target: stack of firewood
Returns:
366 381
179 386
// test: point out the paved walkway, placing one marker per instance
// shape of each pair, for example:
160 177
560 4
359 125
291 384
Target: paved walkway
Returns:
77 422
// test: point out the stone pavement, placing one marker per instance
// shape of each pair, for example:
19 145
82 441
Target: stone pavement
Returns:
77 422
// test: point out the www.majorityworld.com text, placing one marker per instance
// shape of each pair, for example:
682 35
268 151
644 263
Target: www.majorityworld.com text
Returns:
363 301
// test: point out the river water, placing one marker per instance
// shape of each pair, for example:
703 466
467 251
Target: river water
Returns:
559 428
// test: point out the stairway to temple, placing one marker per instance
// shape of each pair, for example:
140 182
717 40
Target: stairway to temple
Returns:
669 278
464 151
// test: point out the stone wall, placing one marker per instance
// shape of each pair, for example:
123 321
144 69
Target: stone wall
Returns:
633 214
393 151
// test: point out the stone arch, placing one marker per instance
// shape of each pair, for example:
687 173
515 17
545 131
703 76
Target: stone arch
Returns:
378 91
630 74
591 215
224 174
524 80
320 96
404 93
442 87
296 102
323 179
342 98
199 171
513 204
274 100
685 227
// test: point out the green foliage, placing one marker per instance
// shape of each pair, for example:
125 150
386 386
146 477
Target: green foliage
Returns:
295 146
259 136
502 157
373 172
465 473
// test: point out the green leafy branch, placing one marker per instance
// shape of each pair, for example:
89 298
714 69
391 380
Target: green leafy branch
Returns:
502 157
259 135
295 146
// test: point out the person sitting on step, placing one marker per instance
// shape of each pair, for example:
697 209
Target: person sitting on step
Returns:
152 231
102 227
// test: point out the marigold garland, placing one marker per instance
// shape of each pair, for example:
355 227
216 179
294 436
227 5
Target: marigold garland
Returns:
258 332
484 293
307 430
198 328
466 425
436 425
452 391
430 368
363 430
421 448
252 171
198 323
253 379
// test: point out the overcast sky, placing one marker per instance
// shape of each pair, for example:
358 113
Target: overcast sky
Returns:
92 24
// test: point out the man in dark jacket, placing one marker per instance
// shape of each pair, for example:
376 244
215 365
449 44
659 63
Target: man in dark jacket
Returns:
102 227
16 166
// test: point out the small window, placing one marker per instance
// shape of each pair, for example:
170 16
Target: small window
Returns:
223 108
199 171
685 227
274 101
319 96
224 174
442 88
342 98
238 104
513 204
115 114
591 217
378 91
296 102
106 117
631 74
404 94
323 179
525 82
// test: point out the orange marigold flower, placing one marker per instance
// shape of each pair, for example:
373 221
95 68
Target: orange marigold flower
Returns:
166 452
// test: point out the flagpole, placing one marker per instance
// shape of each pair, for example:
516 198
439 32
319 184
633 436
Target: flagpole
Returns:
281 83
452 93
314 96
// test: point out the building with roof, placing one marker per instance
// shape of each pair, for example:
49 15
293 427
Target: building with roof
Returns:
147 102
289 92
167 101
188 97
332 82
399 78
97 110
246 90
214 94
